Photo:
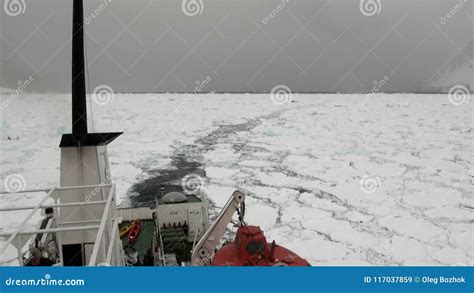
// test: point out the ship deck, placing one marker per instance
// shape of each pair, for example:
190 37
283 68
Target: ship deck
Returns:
143 242
174 241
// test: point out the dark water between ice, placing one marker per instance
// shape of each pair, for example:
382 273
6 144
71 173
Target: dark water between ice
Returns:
165 181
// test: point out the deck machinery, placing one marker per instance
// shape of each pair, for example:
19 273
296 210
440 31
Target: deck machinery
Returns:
168 231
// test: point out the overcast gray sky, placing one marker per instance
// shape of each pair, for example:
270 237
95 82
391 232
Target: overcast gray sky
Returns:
307 45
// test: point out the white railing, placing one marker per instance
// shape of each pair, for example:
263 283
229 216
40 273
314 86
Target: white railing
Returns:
104 223
23 224
107 229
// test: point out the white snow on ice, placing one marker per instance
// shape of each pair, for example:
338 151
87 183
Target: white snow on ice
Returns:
300 165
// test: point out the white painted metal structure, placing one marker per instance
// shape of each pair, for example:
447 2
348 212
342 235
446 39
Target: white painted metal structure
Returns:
84 210
89 166
106 248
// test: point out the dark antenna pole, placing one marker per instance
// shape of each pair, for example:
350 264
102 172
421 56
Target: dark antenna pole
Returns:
79 106
80 137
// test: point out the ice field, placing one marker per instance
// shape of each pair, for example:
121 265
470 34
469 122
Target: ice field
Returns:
381 179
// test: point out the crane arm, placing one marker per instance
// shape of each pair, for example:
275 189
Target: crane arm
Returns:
204 250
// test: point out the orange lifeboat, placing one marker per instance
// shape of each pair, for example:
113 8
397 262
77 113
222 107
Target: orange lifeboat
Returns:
250 248
134 232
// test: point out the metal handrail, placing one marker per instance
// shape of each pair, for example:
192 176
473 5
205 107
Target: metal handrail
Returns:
19 230
39 190
84 186
112 243
25 221
161 246
103 222
52 230
69 204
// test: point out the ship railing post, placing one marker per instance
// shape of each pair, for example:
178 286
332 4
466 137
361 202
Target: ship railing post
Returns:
100 234
113 242
24 223
20 256
59 236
